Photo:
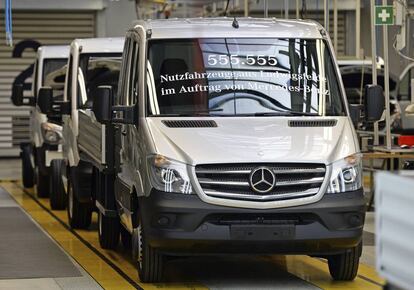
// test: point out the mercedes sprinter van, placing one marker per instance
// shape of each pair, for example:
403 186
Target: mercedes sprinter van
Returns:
41 156
92 62
234 136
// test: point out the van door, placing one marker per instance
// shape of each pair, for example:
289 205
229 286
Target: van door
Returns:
128 133
91 132
70 122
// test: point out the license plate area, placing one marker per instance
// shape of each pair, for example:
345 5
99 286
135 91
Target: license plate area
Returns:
262 232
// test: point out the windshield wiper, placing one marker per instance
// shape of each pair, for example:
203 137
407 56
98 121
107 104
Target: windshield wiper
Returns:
286 113
191 113
203 111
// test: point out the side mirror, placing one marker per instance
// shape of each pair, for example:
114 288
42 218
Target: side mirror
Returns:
18 98
102 104
45 100
355 114
374 102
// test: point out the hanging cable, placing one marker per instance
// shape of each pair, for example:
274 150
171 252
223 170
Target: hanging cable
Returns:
227 7
394 45
303 12
8 23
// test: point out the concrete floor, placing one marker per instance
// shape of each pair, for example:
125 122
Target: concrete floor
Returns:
26 264
115 270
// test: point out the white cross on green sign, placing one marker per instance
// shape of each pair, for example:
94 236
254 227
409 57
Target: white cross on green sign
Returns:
384 15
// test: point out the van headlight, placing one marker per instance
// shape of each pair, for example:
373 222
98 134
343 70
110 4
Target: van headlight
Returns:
168 175
346 174
52 133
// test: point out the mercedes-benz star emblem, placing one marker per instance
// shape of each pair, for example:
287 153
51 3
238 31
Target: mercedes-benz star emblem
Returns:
262 179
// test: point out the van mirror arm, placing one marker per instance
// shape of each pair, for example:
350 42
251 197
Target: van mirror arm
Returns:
62 107
355 114
124 114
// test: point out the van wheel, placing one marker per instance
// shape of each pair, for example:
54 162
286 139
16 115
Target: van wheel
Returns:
108 231
57 191
344 267
27 168
79 214
42 183
149 260
125 238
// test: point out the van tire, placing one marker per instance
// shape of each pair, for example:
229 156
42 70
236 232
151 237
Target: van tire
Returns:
27 168
344 267
79 214
150 269
108 231
42 183
57 190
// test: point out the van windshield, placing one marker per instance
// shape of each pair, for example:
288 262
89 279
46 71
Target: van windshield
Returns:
242 76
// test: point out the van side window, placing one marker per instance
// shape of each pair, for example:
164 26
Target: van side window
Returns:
124 72
96 70
69 77
36 67
134 75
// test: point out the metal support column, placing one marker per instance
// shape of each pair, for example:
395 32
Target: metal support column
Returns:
297 9
358 29
326 14
286 9
335 11
266 8
386 84
374 62
246 8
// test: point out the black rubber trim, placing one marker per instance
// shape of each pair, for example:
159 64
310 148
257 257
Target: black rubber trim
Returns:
85 242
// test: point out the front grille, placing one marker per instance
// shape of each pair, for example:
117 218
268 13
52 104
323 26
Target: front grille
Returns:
232 181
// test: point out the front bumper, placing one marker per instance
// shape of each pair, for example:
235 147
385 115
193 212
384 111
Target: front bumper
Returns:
176 223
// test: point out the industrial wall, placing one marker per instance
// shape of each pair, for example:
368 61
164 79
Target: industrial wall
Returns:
47 22
59 21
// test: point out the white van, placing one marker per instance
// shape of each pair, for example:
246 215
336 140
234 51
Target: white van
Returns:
234 136
40 157
92 62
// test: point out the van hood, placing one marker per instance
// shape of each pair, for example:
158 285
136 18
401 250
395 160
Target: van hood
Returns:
254 139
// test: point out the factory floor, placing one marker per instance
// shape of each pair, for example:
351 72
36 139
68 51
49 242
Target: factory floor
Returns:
38 250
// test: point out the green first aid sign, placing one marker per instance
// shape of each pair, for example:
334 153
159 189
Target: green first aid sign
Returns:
384 15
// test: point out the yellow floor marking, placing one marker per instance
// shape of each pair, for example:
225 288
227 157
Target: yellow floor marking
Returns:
97 268
315 271
107 277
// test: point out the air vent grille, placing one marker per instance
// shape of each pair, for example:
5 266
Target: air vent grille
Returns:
312 123
190 123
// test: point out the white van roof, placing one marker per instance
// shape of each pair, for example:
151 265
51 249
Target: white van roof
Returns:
100 45
222 27
53 51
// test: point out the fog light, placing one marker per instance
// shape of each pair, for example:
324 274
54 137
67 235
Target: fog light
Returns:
354 220
163 221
